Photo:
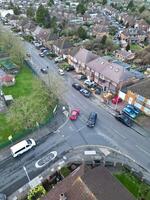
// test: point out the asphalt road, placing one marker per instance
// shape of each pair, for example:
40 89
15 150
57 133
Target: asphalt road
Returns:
108 131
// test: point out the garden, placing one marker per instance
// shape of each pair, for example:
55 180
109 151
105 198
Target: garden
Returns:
140 190
32 103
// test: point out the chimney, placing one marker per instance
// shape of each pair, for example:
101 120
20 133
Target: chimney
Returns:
62 197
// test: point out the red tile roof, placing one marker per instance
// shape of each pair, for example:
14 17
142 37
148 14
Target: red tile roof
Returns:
90 184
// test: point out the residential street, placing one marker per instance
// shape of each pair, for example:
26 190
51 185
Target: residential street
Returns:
108 132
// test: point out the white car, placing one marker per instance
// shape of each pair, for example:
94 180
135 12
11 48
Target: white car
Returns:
88 82
59 59
61 72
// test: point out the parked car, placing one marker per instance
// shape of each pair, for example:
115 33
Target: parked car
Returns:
116 100
82 77
92 119
69 68
74 114
61 72
85 92
59 59
76 86
2 196
130 112
135 109
28 55
98 91
42 55
44 70
124 119
88 82
42 49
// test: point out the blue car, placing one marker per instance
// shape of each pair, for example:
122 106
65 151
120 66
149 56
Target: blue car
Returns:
136 110
130 112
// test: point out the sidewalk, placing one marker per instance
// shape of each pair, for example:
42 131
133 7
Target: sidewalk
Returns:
137 127
40 133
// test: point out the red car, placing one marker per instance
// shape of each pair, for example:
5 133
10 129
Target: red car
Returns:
74 114
116 99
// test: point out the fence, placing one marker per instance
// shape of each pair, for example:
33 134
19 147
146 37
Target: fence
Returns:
26 132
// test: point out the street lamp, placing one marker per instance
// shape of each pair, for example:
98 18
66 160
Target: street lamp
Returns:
26 173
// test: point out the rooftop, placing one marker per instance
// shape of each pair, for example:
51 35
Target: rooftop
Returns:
90 184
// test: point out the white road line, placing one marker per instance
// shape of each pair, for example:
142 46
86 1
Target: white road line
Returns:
141 149
122 136
80 128
46 159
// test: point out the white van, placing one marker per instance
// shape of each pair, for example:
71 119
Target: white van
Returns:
22 147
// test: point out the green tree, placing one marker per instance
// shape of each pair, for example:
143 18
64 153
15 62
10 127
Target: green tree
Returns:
82 33
30 12
128 47
11 5
103 41
141 9
53 23
36 193
112 30
12 45
104 2
130 5
16 10
81 8
50 3
42 16
26 111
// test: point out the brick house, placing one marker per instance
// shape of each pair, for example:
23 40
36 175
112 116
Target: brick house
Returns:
7 80
89 184
110 76
139 95
133 35
80 59
124 55
61 47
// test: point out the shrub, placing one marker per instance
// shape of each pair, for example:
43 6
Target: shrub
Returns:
36 193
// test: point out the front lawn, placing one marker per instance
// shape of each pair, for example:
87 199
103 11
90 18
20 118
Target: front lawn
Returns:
24 87
135 186
135 47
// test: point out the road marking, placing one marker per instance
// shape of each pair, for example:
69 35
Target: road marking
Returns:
140 148
122 136
46 159
80 128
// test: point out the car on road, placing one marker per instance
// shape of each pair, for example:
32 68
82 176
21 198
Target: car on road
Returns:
116 100
92 119
124 119
85 92
2 196
44 70
77 86
130 112
74 114
22 147
88 82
